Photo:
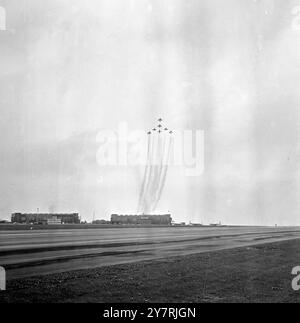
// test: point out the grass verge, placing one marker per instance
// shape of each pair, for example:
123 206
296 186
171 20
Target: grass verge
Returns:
250 274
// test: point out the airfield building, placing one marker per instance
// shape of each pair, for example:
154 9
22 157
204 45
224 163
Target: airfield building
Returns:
157 219
45 218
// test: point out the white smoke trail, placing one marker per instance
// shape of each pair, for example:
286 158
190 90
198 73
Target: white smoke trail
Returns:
159 168
162 157
159 147
159 155
146 174
149 181
164 174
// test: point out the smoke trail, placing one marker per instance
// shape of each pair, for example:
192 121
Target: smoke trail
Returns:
164 175
163 149
147 168
159 169
156 172
151 174
159 146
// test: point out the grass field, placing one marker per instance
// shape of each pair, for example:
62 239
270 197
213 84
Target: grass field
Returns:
250 274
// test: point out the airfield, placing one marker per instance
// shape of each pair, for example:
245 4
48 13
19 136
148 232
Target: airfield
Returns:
29 253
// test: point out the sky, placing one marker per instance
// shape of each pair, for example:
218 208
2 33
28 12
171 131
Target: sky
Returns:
70 69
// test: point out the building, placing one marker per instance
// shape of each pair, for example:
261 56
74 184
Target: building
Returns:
45 218
101 222
54 220
158 219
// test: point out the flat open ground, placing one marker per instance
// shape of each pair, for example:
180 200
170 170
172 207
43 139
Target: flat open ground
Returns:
258 273
30 253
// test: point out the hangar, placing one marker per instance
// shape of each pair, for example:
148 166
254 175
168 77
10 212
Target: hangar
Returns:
158 219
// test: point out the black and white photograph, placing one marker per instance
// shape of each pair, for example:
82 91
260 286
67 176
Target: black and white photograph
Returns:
149 154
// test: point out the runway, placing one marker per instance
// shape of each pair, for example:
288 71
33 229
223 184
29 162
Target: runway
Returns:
39 252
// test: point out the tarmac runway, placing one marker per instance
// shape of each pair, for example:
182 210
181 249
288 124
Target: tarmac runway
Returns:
38 252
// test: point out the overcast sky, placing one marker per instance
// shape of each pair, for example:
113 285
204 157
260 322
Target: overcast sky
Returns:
70 68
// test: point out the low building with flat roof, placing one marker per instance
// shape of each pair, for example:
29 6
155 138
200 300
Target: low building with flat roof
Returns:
158 219
45 218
